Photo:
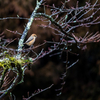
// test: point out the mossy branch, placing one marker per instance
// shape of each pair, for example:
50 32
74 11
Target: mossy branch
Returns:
3 75
17 80
20 44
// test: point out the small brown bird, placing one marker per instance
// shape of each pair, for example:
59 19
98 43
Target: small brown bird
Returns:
30 41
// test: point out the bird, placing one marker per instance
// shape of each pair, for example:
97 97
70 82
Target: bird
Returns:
30 41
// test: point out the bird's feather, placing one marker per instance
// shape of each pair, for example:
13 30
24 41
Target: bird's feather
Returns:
29 39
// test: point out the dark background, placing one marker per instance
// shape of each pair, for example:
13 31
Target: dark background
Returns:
82 80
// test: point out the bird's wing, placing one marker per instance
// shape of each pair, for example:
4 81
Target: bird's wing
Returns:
29 39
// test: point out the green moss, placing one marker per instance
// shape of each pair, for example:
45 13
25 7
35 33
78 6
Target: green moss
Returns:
10 62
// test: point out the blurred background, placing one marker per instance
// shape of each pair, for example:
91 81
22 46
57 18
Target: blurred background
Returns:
82 80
